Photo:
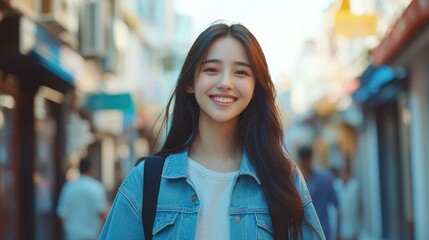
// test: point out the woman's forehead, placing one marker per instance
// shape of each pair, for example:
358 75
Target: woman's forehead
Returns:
227 48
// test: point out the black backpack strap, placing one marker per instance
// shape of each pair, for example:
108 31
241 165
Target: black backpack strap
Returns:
152 178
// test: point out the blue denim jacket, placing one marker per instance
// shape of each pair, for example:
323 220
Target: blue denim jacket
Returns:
178 206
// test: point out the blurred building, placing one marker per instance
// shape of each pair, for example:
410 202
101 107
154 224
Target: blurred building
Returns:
372 106
78 78
38 68
393 92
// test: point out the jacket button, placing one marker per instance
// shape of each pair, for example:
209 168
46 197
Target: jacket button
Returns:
238 219
194 198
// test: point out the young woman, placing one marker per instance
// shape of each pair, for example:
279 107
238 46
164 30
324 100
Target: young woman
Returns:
225 175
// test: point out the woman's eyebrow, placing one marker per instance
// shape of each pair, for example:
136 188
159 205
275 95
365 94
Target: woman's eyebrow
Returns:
243 64
219 61
212 61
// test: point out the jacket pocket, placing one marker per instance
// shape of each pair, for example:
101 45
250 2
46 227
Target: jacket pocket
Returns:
264 226
163 226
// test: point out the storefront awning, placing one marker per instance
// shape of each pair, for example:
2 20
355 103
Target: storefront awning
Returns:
104 101
373 79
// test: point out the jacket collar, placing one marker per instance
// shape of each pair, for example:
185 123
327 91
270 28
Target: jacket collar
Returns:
175 166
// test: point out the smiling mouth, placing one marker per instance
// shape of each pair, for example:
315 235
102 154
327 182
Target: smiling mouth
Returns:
223 99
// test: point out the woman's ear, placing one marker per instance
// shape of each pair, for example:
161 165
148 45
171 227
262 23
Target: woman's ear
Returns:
190 89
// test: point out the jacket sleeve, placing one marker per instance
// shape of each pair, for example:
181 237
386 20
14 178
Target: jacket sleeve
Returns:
310 228
124 220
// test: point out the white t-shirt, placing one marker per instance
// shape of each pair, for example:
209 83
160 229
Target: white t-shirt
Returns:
214 193
80 203
348 198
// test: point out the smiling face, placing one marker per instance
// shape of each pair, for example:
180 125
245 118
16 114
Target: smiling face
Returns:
224 83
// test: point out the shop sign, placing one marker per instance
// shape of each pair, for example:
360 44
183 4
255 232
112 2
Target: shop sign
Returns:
49 51
414 18
350 25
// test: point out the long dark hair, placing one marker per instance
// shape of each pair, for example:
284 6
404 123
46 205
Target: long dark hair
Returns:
259 131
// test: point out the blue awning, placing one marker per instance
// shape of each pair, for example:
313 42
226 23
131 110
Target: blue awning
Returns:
373 79
53 55
103 101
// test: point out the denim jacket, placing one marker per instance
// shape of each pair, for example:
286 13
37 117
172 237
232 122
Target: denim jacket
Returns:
178 206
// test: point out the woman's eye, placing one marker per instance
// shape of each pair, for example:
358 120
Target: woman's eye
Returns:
211 70
241 72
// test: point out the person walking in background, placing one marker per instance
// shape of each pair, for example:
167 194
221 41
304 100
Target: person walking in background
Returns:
226 175
320 185
82 205
347 189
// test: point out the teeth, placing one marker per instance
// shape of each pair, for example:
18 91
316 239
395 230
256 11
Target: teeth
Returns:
223 99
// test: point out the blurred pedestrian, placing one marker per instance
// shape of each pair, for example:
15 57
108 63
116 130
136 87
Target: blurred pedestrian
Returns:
347 189
320 185
225 174
83 205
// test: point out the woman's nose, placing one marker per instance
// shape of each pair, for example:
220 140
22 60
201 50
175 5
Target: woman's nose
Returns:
225 82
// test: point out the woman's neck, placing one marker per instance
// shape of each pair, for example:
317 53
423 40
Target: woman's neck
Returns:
214 146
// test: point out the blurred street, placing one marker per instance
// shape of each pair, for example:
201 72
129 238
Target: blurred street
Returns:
89 78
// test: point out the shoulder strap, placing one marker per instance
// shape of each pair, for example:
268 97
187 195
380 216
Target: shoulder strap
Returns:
152 178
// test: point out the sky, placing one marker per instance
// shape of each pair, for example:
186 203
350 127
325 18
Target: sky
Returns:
280 26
